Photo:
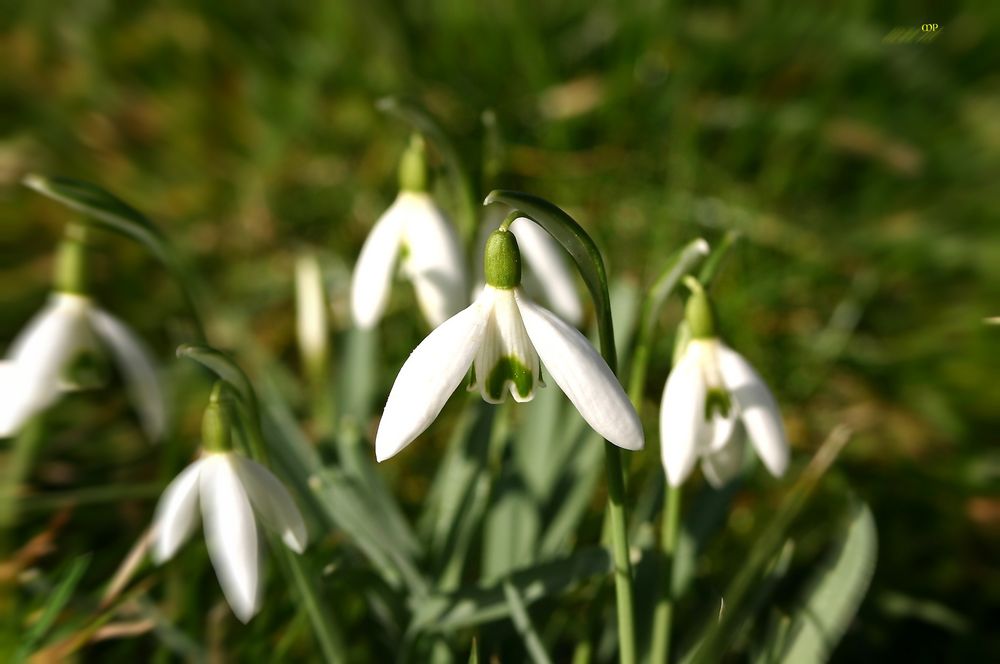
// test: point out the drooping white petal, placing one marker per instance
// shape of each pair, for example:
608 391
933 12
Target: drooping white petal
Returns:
41 352
547 262
434 263
758 410
429 376
15 409
722 465
137 366
582 375
176 513
230 533
506 359
373 272
682 418
273 503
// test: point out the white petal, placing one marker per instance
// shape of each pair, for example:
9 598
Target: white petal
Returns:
231 534
429 376
758 410
15 408
548 263
41 352
722 430
505 340
176 513
582 374
373 272
724 464
137 367
434 263
682 418
273 503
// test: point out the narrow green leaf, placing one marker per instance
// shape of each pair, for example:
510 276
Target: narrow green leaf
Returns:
834 593
104 210
56 600
475 606
716 637
510 532
580 247
714 261
474 652
522 622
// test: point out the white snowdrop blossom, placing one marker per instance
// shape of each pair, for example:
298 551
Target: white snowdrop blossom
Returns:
415 230
230 489
505 338
548 276
713 400
38 366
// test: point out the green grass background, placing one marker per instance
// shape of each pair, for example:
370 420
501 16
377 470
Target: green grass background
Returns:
864 176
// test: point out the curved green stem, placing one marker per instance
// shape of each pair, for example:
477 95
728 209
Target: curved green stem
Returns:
664 612
590 263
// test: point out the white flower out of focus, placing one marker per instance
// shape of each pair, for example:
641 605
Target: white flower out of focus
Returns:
713 400
505 338
414 234
229 489
40 363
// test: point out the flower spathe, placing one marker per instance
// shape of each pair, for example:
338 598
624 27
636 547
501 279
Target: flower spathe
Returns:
230 489
431 259
505 337
34 373
712 400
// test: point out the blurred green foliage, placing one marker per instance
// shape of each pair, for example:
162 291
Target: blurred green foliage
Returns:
862 175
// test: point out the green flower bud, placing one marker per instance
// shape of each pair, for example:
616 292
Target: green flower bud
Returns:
71 261
503 260
698 312
413 166
215 425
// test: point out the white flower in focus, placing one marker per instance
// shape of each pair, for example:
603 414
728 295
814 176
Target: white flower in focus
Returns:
38 366
415 228
712 400
230 489
505 338
548 276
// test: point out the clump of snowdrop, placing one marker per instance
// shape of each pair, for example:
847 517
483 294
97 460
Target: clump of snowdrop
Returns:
62 345
230 490
713 400
414 233
505 338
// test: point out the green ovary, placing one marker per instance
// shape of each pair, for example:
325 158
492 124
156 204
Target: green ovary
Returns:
513 370
717 400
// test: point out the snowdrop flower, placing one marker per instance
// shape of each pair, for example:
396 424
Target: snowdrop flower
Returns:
712 401
415 228
230 489
45 359
548 277
504 337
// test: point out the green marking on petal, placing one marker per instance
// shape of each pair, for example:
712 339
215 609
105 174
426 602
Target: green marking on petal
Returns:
513 370
717 400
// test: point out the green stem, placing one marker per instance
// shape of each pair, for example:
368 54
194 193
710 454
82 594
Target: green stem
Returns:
664 612
619 549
